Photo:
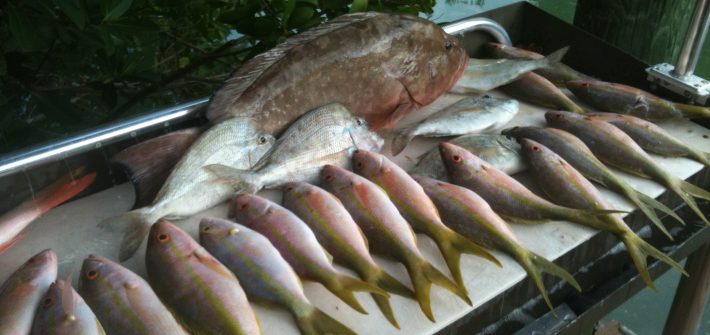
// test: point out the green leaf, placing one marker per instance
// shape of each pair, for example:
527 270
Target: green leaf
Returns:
183 62
74 10
3 64
312 2
23 33
358 6
289 6
300 16
116 8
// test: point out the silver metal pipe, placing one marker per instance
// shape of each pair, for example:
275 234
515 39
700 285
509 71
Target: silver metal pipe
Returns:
480 23
694 38
95 138
91 139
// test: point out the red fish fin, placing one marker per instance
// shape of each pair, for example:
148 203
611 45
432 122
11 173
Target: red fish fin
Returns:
62 190
148 164
11 242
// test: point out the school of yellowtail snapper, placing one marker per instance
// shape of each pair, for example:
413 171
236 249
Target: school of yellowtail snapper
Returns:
288 119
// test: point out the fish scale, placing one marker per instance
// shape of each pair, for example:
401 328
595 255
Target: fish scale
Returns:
326 135
387 231
123 301
22 292
567 186
204 295
299 246
265 275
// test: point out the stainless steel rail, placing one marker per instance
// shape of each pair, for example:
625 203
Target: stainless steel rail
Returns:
120 130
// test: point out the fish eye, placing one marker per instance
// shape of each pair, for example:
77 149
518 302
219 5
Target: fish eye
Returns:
47 302
360 122
358 164
448 45
585 84
486 96
92 275
559 116
244 206
456 159
535 148
163 238
262 139
288 189
206 229
329 178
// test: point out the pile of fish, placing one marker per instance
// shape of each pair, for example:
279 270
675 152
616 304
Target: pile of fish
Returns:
342 200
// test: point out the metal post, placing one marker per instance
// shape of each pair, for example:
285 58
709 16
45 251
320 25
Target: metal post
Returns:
691 295
694 38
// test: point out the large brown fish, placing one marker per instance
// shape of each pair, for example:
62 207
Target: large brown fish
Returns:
565 185
204 295
299 246
387 231
22 292
623 99
380 66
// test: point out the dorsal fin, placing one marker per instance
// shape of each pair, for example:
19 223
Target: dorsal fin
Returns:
245 76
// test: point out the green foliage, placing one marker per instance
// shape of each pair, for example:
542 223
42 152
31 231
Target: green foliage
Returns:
66 65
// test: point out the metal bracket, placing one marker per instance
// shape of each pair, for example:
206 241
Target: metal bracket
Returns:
694 88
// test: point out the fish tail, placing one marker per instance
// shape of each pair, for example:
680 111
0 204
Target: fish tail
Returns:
693 111
386 308
242 180
535 265
401 140
452 245
316 322
646 204
423 274
659 206
62 190
555 57
639 250
343 286
700 156
687 191
389 283
135 225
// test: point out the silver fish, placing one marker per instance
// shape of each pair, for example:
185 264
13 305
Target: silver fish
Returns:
123 301
326 135
23 290
191 189
63 312
483 75
500 151
477 114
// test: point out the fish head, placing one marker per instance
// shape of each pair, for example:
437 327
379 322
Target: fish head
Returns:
560 118
533 150
367 163
580 88
425 182
248 208
297 190
461 162
40 267
57 310
512 131
426 51
213 230
94 271
362 137
165 238
334 177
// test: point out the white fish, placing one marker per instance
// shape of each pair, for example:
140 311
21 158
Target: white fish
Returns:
325 135
191 189
477 114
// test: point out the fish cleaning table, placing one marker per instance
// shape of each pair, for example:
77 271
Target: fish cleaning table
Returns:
503 299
